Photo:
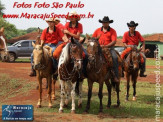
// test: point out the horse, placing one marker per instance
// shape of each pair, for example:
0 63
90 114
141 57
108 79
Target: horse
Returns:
70 73
44 69
98 71
131 68
3 47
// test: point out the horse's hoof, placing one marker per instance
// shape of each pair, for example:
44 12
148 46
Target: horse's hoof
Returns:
72 111
53 98
80 106
38 106
100 112
108 107
85 112
60 111
134 98
50 106
37 87
65 106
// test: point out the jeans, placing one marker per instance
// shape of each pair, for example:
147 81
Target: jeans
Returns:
115 61
143 66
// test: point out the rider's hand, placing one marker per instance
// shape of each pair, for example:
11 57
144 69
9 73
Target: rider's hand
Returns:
66 31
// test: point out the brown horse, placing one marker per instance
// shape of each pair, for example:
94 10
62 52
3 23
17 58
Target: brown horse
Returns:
98 71
44 69
3 47
131 68
70 71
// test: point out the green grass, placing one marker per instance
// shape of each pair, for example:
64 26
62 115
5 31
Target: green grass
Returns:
10 87
23 60
143 107
152 62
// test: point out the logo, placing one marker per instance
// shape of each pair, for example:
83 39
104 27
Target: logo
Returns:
17 112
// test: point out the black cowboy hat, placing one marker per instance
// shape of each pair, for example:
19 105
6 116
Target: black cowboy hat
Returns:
106 20
132 24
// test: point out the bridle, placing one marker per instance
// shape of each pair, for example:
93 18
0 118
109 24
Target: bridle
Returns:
71 75
94 61
41 64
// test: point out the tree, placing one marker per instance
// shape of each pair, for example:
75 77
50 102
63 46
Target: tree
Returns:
1 8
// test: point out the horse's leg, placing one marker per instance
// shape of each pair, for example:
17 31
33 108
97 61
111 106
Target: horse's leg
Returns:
128 85
134 80
117 90
49 82
39 79
62 95
80 95
90 84
68 91
109 87
73 97
100 95
53 89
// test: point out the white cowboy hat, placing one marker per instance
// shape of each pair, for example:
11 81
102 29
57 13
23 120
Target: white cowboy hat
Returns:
75 14
50 20
57 19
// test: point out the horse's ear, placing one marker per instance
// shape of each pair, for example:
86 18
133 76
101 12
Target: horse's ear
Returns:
72 40
33 44
38 30
2 29
83 40
87 36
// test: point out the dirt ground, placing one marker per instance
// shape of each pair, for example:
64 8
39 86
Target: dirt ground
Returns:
21 71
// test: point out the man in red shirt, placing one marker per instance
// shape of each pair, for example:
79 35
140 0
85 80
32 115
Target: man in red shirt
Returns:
107 38
132 38
51 36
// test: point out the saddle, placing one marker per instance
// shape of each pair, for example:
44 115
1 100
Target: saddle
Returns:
108 56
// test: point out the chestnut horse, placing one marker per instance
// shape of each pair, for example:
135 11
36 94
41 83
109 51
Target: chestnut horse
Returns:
44 69
70 72
98 71
131 68
3 47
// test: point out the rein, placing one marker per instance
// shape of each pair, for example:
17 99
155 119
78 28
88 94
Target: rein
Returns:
71 75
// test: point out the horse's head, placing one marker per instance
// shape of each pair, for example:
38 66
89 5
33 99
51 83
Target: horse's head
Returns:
76 52
3 39
38 55
135 58
92 48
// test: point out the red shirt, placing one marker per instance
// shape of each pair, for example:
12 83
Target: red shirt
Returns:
60 26
132 40
75 30
106 37
51 37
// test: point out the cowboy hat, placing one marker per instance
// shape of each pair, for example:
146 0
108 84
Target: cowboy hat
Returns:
57 19
106 20
132 24
73 13
50 20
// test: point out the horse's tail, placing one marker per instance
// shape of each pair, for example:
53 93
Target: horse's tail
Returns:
113 83
77 87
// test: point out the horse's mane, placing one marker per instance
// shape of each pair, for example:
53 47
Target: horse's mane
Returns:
64 55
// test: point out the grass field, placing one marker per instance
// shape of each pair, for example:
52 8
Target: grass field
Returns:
143 107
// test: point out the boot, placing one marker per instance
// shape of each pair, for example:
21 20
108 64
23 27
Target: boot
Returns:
32 73
142 74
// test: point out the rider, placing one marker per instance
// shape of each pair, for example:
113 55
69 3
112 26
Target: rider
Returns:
107 39
131 38
50 36
72 29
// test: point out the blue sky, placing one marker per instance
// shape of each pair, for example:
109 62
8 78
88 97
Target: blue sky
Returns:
148 13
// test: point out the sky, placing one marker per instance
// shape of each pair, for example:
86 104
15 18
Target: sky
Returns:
148 13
